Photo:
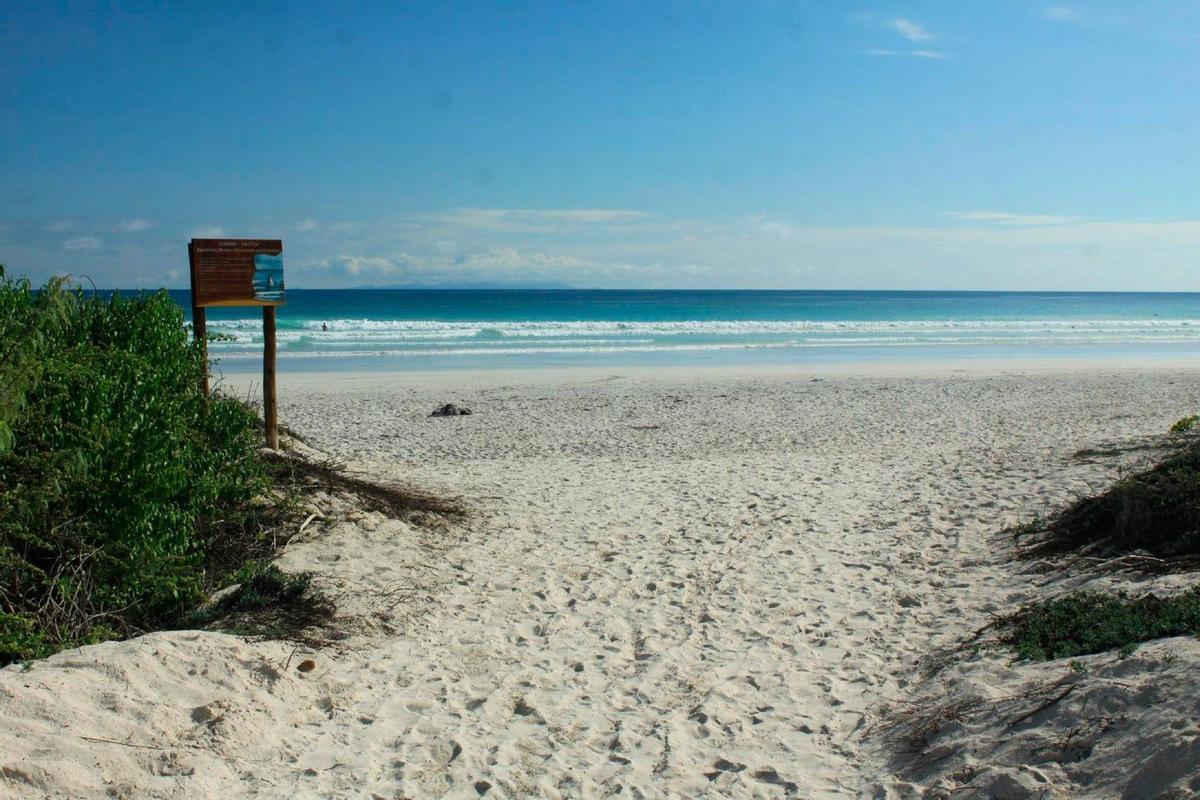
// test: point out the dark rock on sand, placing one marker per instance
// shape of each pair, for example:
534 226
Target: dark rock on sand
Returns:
451 410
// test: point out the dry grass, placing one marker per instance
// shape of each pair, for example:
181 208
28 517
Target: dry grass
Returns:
401 502
270 604
1147 520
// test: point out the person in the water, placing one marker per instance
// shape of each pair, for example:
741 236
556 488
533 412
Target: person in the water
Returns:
324 327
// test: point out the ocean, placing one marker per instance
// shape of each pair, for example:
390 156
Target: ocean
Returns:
365 329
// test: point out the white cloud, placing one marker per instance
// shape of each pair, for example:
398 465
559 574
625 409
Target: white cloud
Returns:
83 243
1062 14
910 30
136 225
359 266
307 225
998 250
582 215
490 264
972 249
909 53
531 219
211 232
509 258
962 249
1009 218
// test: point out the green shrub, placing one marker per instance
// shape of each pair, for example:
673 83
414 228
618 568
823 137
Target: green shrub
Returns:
1186 424
20 637
258 586
117 474
1091 622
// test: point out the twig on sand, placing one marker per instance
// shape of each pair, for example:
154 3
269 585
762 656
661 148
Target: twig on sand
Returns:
1116 563
125 744
176 747
1047 704
289 658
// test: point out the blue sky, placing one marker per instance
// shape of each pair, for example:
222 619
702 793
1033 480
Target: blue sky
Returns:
975 145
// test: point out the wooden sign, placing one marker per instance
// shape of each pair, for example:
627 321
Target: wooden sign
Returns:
240 272
236 272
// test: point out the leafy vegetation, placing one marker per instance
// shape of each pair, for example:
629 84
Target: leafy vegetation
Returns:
265 601
125 493
1185 425
1092 622
1155 510
256 586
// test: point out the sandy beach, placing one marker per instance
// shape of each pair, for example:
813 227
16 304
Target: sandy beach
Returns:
668 584
607 400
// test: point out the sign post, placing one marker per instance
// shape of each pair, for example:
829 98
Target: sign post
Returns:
270 415
199 323
240 272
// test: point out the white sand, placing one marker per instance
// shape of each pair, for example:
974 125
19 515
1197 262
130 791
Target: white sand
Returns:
669 585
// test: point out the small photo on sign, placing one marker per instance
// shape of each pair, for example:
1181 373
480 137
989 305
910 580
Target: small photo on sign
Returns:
268 277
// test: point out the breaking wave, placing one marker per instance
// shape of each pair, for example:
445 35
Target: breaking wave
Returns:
368 337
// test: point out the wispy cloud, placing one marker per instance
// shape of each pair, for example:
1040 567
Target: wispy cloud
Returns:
615 248
211 232
579 215
1062 14
910 30
136 225
909 53
361 266
489 264
987 249
534 220
83 243
1009 218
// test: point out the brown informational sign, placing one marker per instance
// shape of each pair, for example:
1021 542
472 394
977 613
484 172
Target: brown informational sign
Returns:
236 272
240 272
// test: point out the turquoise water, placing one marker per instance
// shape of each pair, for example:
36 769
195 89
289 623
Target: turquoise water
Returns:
470 329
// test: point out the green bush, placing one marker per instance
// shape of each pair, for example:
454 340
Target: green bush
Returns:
257 586
1186 424
116 472
1091 622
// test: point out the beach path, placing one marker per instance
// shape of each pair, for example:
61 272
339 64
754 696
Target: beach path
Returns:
665 586
694 588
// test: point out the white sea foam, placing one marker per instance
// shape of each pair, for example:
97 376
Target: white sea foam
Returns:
364 337
435 328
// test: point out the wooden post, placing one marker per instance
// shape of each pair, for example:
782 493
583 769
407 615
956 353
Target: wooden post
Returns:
199 323
270 413
200 329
